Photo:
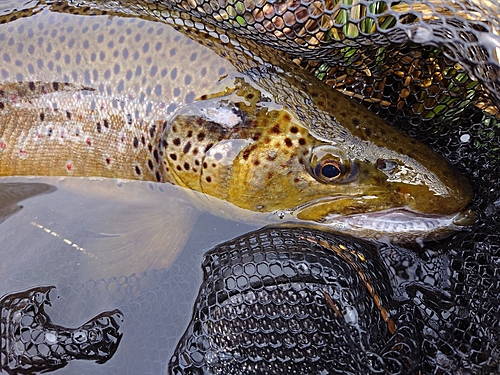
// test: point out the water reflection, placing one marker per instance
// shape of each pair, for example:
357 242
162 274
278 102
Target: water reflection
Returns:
110 244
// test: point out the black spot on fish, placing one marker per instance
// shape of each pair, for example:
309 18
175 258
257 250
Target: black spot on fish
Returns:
256 162
250 96
187 147
256 136
302 141
208 178
158 177
143 141
195 151
98 127
209 146
189 133
201 136
49 132
205 165
294 129
276 129
32 86
2 106
55 86
186 166
136 142
150 164
197 162
68 115
355 121
173 156
288 142
42 116
177 141
137 170
246 153
152 131
271 157
108 161
150 147
155 155
178 168
106 124
368 132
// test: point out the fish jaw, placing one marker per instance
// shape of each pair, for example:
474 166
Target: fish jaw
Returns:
400 225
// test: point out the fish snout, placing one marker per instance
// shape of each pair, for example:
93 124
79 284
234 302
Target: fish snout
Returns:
441 191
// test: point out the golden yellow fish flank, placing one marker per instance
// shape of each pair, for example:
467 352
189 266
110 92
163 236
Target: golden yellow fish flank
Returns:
90 96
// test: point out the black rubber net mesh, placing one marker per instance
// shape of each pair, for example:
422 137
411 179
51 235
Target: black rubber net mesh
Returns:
430 68
297 301
31 343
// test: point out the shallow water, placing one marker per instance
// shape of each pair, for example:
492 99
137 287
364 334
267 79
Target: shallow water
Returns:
95 216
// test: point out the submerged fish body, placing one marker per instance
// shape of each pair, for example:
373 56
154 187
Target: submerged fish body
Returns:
265 139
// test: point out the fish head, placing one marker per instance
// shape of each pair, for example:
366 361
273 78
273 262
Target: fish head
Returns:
246 149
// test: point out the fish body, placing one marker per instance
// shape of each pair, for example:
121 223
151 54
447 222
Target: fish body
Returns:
264 137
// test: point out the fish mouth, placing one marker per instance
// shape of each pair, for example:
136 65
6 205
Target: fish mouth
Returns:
397 225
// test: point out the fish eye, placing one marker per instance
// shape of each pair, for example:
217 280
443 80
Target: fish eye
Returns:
328 164
328 170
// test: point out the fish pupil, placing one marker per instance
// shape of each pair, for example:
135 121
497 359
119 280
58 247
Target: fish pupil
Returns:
327 170
330 171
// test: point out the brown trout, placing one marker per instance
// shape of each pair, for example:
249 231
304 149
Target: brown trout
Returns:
126 98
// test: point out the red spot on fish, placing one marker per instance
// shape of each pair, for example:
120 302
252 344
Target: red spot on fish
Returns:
108 161
3 145
88 141
22 152
69 166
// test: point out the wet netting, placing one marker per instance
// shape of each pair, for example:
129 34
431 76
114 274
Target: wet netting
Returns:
31 343
297 301
302 301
